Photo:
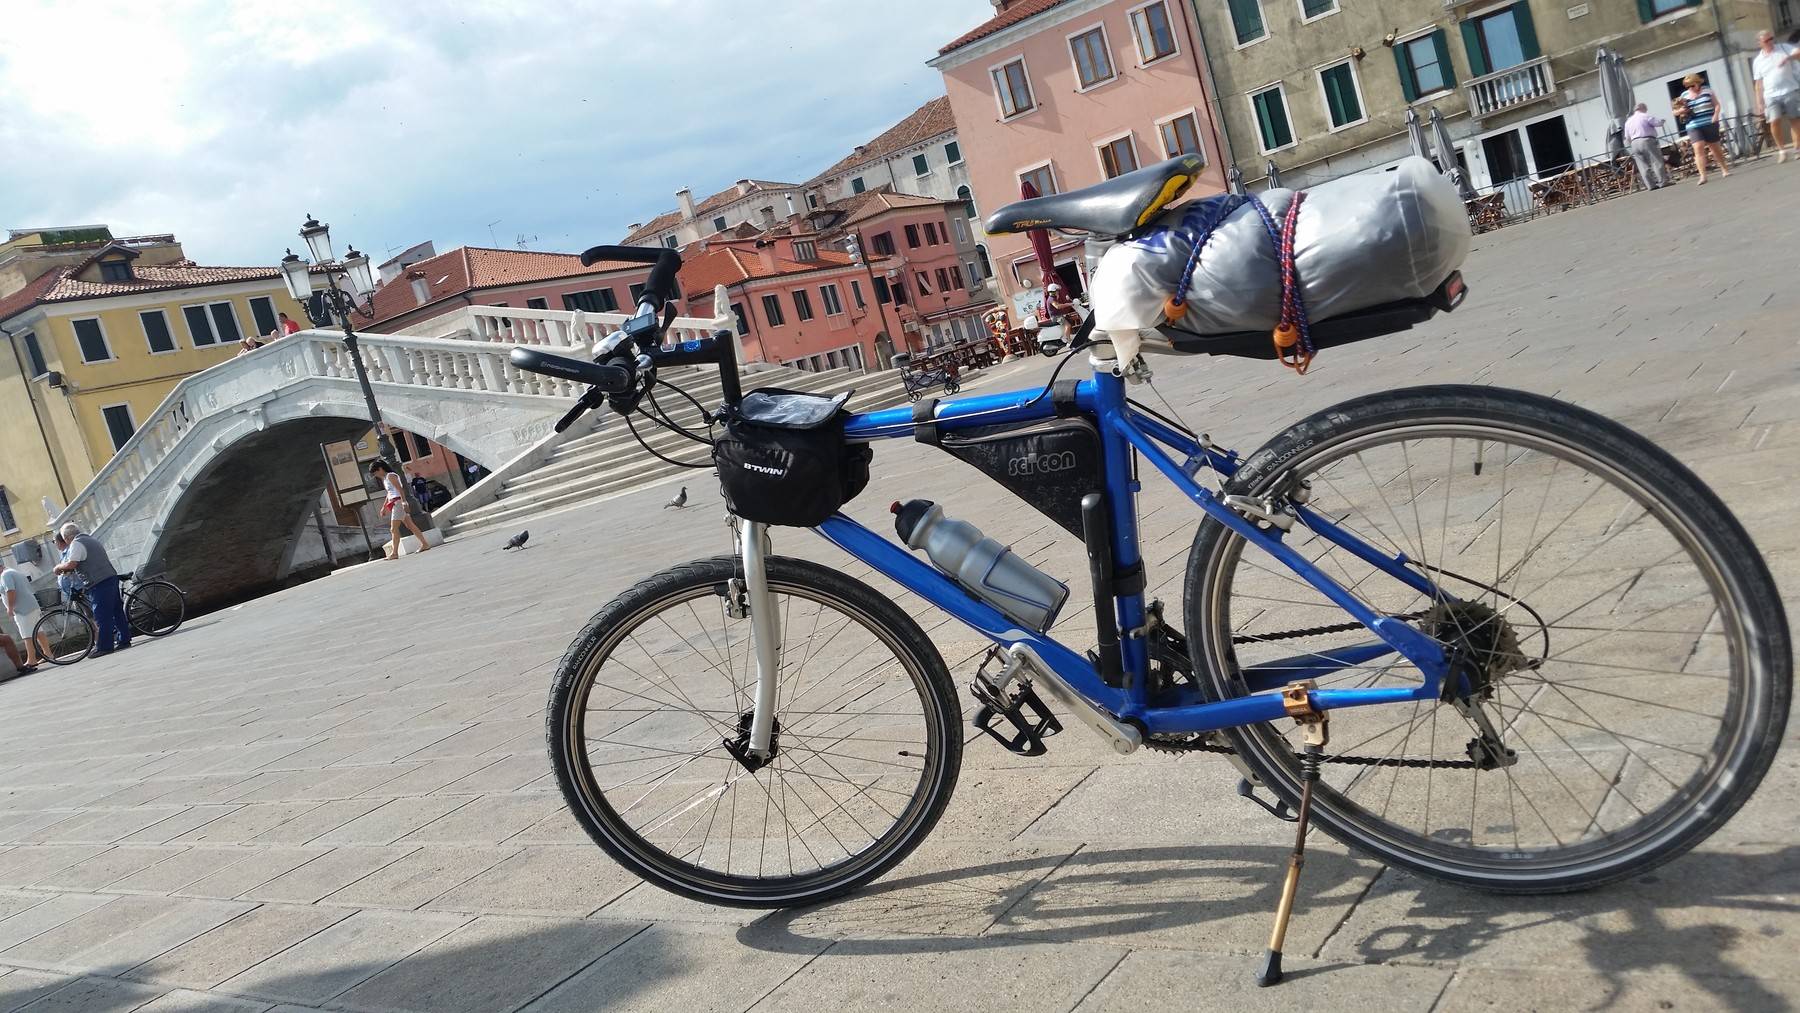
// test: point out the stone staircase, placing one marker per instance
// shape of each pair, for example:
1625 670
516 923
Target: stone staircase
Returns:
610 461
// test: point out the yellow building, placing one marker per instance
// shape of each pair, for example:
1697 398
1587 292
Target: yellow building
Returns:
94 345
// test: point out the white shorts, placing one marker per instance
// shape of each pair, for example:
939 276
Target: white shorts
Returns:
26 622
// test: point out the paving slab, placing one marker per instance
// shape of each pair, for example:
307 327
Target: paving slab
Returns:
95 995
325 874
235 946
666 967
421 876
492 963
393 820
180 869
260 866
1161 979
941 974
106 867
20 988
184 1000
342 956
1480 990
569 881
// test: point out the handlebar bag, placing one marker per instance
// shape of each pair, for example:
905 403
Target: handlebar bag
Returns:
782 458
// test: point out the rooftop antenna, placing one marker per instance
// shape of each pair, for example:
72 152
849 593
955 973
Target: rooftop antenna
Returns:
491 240
524 241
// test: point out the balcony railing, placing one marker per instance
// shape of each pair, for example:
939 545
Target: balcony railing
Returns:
1528 82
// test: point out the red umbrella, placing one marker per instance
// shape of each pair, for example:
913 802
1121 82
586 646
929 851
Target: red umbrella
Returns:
1063 310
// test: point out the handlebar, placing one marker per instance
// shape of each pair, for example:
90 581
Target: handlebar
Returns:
608 378
661 284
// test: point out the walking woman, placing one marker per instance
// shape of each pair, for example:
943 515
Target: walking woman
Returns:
1703 125
395 508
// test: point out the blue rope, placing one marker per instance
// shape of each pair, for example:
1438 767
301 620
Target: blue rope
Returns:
1201 234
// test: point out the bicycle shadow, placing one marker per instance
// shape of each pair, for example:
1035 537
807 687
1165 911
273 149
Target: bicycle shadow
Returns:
1687 919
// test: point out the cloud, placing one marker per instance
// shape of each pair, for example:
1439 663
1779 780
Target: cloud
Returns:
397 122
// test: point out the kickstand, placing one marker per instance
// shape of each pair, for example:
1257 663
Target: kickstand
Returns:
1316 737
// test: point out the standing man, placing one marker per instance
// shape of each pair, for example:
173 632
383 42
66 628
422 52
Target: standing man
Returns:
1641 130
1777 91
22 605
87 557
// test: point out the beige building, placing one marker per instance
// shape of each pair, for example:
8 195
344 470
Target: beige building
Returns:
1321 87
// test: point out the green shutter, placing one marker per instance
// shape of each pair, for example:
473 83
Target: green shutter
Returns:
1409 86
1443 54
1528 42
1246 19
1646 10
1472 45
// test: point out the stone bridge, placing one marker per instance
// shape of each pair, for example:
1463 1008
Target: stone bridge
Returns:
212 489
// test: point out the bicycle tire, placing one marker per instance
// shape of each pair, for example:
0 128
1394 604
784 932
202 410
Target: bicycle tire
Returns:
155 608
1758 686
605 818
72 634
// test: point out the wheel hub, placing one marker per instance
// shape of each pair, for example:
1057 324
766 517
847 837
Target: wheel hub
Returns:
739 746
1484 646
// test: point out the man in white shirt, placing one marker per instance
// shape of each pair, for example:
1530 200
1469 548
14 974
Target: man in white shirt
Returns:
18 601
1778 90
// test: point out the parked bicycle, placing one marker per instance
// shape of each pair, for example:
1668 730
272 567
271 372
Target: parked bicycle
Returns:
155 608
1545 655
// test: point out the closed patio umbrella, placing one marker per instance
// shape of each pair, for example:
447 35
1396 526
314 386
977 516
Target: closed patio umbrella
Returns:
1046 259
1274 174
1616 92
1415 132
1447 155
1234 180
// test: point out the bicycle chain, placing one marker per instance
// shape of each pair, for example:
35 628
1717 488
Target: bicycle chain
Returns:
1316 631
1198 746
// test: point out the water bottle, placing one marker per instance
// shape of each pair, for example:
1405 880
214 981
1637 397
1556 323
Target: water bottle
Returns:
985 568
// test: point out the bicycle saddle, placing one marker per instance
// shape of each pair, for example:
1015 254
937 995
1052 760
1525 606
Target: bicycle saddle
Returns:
1112 208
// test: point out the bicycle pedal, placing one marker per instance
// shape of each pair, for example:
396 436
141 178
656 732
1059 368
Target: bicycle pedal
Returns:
1279 809
1029 719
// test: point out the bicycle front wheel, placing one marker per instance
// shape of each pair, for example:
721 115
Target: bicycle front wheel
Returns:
69 633
155 608
1617 629
653 698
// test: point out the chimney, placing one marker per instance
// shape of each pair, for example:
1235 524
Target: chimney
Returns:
421 289
765 250
768 217
743 187
633 227
686 197
790 207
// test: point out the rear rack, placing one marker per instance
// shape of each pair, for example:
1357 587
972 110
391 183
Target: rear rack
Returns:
1387 318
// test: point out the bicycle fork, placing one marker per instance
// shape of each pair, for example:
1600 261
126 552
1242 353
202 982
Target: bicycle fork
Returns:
765 634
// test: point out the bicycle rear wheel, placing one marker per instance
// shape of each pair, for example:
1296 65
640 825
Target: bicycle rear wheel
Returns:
155 608
867 735
68 631
1623 635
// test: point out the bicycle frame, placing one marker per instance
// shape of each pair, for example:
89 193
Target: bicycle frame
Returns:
1125 431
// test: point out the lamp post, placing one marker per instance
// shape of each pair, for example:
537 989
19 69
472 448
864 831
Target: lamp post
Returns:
853 245
297 273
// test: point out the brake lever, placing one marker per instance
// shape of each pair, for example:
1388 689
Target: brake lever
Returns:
588 402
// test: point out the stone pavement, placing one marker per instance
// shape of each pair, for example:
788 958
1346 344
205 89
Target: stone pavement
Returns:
337 797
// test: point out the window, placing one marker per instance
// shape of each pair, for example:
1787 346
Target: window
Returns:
1247 20
921 165
1043 178
1155 38
1180 136
1343 102
856 295
1093 64
537 303
967 196
92 341
637 294
912 237
1118 156
1502 39
899 290
7 521
943 280
987 266
882 243
671 242
1270 106
802 305
1311 10
719 224
961 226
262 309
974 273
156 331
118 423
1424 65
952 153
34 354
772 311
1012 89
834 305
225 325
743 324
931 234
598 300
856 185
1650 10
115 270
805 250
882 294
956 281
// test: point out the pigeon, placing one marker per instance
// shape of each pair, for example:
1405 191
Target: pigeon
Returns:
517 541
679 501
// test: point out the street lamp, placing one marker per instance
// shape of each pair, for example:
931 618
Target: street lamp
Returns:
297 274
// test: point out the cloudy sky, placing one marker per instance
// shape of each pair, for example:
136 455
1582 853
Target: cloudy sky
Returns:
226 123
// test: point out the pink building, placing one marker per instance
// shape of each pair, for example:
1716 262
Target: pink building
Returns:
1066 93
473 275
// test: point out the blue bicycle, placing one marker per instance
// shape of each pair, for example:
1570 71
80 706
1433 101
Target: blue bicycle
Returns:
1479 634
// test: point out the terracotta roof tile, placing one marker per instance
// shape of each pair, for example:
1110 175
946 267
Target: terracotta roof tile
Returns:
724 198
61 285
27 297
728 265
472 268
927 121
1018 11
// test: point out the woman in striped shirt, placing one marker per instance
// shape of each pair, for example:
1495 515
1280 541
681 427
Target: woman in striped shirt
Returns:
1703 125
